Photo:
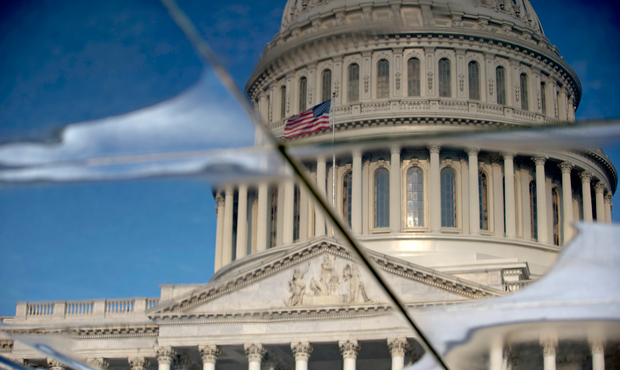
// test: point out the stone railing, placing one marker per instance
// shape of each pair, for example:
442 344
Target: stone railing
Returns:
515 286
98 308
433 107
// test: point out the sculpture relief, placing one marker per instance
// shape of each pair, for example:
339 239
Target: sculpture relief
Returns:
328 284
336 88
366 83
461 81
429 76
397 74
490 86
297 287
355 287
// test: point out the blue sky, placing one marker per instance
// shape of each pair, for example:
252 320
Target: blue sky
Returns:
70 62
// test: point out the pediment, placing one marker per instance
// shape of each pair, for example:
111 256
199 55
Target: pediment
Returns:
320 275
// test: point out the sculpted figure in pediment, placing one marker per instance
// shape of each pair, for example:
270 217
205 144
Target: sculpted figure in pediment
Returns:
297 287
328 283
355 286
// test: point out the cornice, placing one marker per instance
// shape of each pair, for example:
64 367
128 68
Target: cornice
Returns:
94 332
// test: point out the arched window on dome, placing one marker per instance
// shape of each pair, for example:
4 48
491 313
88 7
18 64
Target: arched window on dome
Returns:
382 198
555 209
448 198
533 211
326 85
483 194
383 79
543 97
354 83
524 93
296 213
413 77
283 102
415 197
273 225
347 187
445 87
474 80
500 76
303 93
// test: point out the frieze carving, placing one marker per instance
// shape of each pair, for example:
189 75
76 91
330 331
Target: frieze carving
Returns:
288 103
517 92
339 18
456 21
429 78
461 82
366 83
490 86
310 96
397 75
538 100
483 24
328 283
297 287
336 88
355 287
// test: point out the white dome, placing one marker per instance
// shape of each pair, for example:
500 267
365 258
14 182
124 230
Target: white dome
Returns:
519 12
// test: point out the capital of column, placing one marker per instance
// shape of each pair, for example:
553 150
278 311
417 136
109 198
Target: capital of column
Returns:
586 177
597 347
356 154
395 150
539 161
599 187
229 191
472 151
434 149
254 351
209 353
98 362
301 350
219 200
138 363
55 364
548 349
349 348
566 167
398 346
508 155
165 355
608 197
320 160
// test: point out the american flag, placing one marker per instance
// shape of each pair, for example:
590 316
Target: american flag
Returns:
307 122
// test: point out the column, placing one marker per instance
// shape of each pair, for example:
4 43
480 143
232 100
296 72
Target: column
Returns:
541 199
366 208
608 207
511 206
261 220
398 346
301 351
548 355
496 356
598 356
567 199
242 223
586 194
303 214
319 223
599 193
57 365
349 351
474 196
209 354
255 353
98 362
165 357
289 212
228 227
435 177
498 197
136 363
395 201
465 187
356 193
219 231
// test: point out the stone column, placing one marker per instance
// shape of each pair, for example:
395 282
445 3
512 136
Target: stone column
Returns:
599 193
219 231
228 227
255 353
136 363
57 365
395 216
165 357
398 346
366 185
303 214
465 186
511 205
242 222
567 199
548 356
435 177
319 222
598 356
496 357
98 362
608 207
289 212
356 193
209 354
586 195
261 220
474 196
301 351
349 351
541 199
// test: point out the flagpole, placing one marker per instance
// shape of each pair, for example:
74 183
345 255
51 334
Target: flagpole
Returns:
333 156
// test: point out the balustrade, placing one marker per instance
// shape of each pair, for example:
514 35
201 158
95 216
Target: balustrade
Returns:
119 306
78 309
40 309
515 286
